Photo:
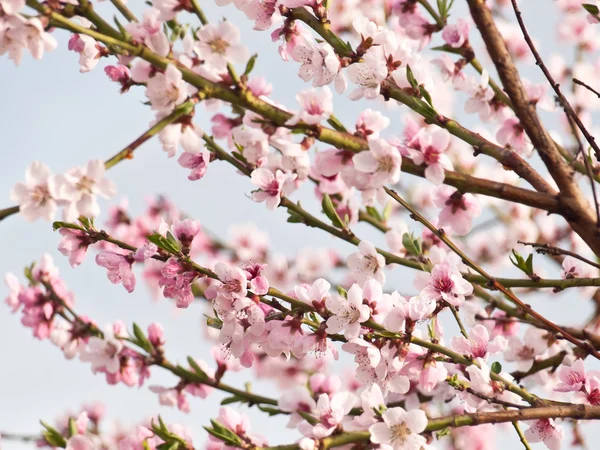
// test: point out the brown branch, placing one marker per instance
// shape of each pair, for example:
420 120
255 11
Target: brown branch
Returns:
589 88
575 207
569 111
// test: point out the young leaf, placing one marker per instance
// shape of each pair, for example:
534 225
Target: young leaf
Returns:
330 212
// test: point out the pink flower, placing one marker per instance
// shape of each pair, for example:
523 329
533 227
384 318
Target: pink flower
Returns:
166 90
271 187
233 281
367 263
74 244
317 105
456 35
574 268
282 336
12 7
258 284
239 424
458 210
370 123
315 295
184 132
36 196
196 162
254 143
382 162
400 429
119 74
118 267
219 45
177 280
186 230
480 95
512 133
479 344
329 413
572 378
80 442
368 74
82 187
349 313
432 145
525 352
319 63
546 431
443 283
89 51
296 399
24 33
103 353
150 32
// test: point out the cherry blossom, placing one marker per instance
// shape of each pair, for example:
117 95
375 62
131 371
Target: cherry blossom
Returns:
479 344
37 195
82 187
317 105
458 210
103 353
166 90
546 431
350 312
367 263
219 45
444 283
271 186
400 429
382 162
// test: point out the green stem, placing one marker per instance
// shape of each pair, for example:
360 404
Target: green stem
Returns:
124 10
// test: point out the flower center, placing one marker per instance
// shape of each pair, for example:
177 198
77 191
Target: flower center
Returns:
85 184
400 432
218 45
40 194
386 164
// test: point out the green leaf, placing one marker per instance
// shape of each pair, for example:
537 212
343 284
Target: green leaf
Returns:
194 365
331 213
592 9
496 367
411 78
214 322
142 340
426 96
442 433
250 64
374 213
72 427
269 410
343 292
230 400
53 437
526 265
412 244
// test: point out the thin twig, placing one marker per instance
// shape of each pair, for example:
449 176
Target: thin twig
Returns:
550 250
493 282
569 111
589 88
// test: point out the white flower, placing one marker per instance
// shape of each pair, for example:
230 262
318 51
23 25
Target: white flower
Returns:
400 429
36 196
82 187
349 313
219 44
366 263
103 353
382 162
166 90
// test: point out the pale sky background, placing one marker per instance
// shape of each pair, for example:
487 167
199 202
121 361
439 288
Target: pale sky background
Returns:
52 113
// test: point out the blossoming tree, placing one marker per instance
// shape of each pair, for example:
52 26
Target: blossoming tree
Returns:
440 363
